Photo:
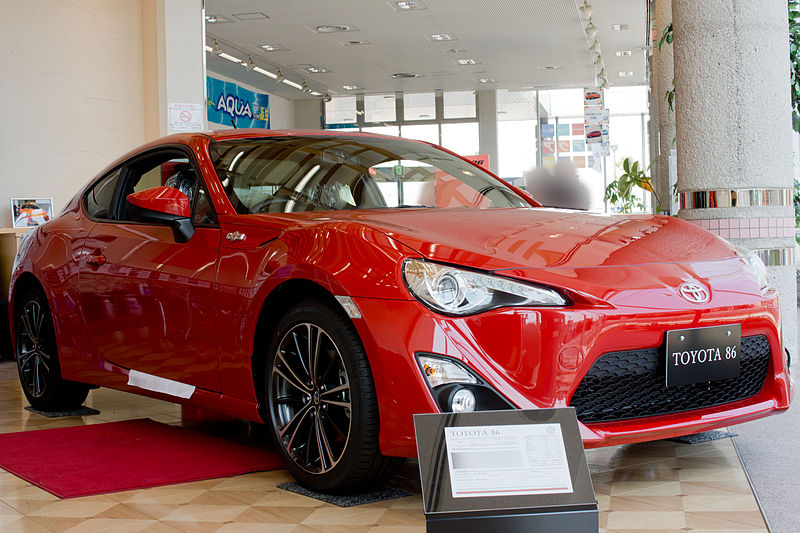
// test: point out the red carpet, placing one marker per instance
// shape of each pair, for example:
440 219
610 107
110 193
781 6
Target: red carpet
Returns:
133 454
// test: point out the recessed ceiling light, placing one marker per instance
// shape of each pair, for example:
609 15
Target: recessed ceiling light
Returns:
274 48
332 28
551 67
250 16
468 61
623 53
619 27
626 74
216 19
354 43
455 51
487 80
403 75
350 87
406 5
441 37
314 69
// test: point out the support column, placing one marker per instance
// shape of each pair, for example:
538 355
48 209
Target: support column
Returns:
733 126
663 74
173 63
487 126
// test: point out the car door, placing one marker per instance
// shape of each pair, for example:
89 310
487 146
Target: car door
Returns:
148 301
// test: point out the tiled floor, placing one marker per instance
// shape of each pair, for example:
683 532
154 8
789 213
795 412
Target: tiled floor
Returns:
659 486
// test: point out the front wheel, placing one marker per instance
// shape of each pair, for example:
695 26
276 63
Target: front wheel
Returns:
37 358
322 402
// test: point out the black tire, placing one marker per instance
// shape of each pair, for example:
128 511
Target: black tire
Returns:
37 357
326 426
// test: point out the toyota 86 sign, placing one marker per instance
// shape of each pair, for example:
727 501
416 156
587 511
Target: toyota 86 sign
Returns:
332 285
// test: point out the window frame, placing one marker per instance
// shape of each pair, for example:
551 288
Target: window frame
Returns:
125 170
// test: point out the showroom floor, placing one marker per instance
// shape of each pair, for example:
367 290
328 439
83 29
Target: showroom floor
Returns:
662 486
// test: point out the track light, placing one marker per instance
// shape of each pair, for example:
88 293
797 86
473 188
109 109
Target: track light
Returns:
591 30
216 50
602 73
604 84
598 61
305 89
248 64
586 9
279 77
326 97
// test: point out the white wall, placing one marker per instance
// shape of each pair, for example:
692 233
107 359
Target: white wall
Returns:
281 110
71 87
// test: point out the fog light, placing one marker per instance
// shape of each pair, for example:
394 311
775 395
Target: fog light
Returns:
462 401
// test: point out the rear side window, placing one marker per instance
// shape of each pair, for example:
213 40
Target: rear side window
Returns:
101 196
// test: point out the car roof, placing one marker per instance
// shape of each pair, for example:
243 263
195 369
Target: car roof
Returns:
254 133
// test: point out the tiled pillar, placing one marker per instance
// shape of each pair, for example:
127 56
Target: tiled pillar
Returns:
487 126
733 126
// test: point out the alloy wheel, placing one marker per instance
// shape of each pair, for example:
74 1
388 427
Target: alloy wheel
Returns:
311 398
34 358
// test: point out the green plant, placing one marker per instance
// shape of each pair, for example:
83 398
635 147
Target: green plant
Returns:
666 37
794 61
621 192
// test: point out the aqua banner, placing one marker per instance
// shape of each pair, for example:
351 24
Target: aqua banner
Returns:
230 104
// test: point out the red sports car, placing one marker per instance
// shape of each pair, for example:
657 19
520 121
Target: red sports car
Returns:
332 285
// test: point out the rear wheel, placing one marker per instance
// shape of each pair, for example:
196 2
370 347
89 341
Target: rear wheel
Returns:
322 402
37 358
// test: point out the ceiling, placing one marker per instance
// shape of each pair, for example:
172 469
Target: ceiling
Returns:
513 41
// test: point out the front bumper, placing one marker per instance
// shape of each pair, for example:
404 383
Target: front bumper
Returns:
536 358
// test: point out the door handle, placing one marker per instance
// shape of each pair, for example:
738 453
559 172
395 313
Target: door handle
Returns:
96 259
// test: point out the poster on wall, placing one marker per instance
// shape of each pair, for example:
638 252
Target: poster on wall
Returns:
185 117
230 104
28 212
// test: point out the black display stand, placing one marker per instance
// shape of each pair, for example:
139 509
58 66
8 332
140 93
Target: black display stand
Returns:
546 512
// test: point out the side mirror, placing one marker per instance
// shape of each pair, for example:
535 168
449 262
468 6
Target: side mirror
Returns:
163 205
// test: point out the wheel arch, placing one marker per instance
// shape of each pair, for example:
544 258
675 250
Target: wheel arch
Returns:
277 302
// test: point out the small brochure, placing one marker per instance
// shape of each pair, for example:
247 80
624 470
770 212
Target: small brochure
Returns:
513 460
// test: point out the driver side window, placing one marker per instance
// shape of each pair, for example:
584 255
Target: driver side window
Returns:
171 169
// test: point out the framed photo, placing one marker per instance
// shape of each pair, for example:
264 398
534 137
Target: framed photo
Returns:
28 212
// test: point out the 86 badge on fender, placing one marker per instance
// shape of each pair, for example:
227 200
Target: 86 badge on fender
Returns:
703 354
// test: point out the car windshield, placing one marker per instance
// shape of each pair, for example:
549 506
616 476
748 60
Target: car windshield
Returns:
323 173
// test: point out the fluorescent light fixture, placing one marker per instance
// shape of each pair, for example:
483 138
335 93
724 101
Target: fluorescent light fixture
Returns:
487 80
265 72
441 37
250 16
208 48
619 27
407 5
332 28
273 48
315 93
290 83
626 74
468 61
229 57
623 53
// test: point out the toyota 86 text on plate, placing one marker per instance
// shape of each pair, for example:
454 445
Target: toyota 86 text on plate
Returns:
333 285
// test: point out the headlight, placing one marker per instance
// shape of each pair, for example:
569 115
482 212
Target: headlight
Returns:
462 292
756 265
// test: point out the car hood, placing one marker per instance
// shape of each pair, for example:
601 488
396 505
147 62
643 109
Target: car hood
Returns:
500 239
635 261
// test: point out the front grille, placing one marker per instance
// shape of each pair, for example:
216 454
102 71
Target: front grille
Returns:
631 384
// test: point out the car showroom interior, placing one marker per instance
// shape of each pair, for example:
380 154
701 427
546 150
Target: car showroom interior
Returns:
399 266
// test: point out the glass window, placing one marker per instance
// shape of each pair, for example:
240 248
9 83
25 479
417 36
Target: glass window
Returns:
461 138
394 131
422 132
293 174
98 201
379 108
516 134
341 110
420 106
459 104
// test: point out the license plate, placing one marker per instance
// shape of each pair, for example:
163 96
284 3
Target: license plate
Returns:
703 354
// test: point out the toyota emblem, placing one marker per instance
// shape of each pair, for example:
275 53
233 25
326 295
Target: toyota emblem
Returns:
693 292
